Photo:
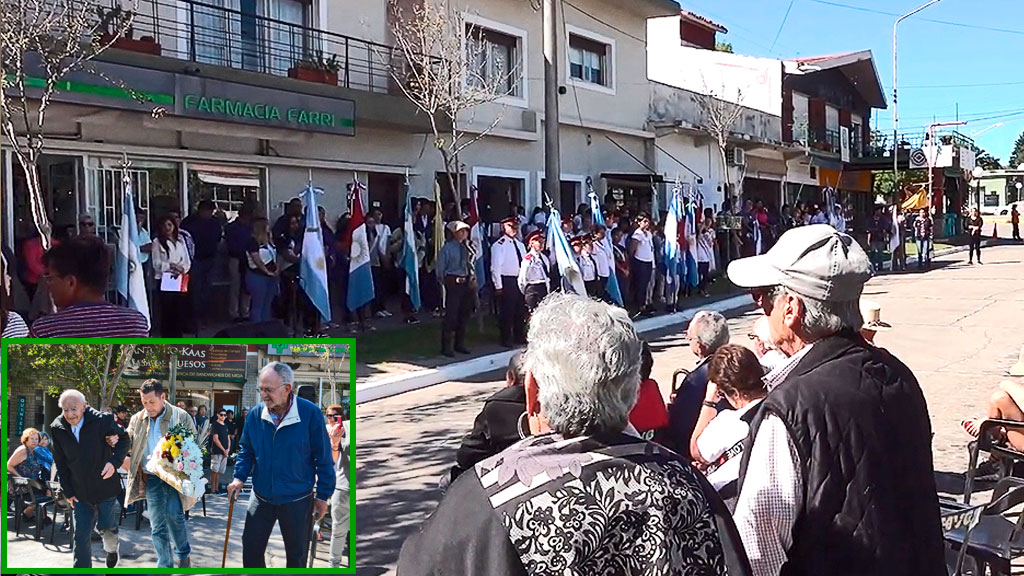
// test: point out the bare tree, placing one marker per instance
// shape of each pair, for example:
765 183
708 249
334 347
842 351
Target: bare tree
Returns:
719 119
41 43
443 67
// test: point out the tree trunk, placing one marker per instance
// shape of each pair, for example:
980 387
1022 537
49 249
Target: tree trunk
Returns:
30 166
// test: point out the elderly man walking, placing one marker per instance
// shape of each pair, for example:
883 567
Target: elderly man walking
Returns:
166 505
286 450
839 470
586 494
707 332
87 469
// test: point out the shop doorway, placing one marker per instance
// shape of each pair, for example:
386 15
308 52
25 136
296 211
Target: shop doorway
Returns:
496 195
228 187
58 177
568 195
105 198
228 400
385 194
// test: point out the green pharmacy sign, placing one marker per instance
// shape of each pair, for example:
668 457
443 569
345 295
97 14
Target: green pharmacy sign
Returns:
302 118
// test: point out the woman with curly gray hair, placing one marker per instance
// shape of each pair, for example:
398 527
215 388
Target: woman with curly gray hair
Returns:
585 494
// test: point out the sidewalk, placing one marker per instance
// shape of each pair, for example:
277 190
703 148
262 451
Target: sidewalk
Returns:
206 538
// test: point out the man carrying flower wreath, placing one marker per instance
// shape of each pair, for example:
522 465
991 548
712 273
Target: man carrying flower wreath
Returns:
167 506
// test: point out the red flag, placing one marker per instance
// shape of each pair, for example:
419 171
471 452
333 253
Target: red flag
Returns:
357 219
474 211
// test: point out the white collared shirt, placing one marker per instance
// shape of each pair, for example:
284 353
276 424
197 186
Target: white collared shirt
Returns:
77 428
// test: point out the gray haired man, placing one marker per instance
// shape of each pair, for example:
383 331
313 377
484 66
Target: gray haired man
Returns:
707 332
586 472
839 467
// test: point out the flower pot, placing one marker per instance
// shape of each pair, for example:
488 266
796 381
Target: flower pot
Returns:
313 75
145 45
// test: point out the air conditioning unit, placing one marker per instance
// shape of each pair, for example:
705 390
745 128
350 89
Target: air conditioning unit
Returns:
737 157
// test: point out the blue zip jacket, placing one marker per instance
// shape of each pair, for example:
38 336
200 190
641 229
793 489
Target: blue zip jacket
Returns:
288 461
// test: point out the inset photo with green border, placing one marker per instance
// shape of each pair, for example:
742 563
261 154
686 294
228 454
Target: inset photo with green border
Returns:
156 456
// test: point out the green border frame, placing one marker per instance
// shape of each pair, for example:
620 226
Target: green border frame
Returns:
350 342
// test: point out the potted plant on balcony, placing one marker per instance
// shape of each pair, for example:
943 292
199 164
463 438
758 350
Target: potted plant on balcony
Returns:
109 23
317 68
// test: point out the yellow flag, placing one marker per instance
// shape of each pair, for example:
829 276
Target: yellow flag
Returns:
438 223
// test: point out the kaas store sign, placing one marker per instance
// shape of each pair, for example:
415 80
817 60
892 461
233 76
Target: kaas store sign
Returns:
209 363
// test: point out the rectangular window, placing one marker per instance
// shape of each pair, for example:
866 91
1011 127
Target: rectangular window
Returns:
496 59
588 60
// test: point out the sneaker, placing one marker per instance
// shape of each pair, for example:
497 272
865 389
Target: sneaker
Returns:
112 559
381 314
185 562
386 313
412 320
989 471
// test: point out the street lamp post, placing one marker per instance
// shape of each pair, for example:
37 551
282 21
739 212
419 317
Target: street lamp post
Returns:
978 174
895 97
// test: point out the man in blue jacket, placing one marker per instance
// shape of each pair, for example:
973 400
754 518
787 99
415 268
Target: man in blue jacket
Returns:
286 450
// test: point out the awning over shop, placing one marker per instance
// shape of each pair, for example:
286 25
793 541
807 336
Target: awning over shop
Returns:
638 177
229 180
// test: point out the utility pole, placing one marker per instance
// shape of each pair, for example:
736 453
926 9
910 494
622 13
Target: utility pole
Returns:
895 101
552 158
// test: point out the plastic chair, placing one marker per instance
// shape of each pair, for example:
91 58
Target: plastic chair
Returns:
677 382
984 534
987 442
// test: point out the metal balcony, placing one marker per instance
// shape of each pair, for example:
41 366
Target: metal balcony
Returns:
232 34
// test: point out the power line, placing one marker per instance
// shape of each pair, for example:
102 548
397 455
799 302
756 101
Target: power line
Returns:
781 26
944 86
596 19
932 20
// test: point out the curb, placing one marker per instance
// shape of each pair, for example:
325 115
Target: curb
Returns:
379 388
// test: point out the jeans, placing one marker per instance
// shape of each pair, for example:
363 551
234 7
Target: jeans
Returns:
263 289
975 247
924 250
103 515
339 528
238 297
201 285
168 522
296 520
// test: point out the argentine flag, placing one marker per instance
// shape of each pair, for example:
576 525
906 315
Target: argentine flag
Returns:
476 236
360 280
690 254
613 281
313 266
672 248
129 278
572 278
409 263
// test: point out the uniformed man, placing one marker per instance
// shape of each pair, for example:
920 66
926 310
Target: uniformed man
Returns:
535 272
454 271
588 268
506 259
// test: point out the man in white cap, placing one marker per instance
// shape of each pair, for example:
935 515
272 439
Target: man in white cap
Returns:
454 272
768 355
839 468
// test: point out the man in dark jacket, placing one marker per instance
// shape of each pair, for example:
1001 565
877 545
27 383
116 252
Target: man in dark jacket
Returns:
838 470
87 467
500 424
707 332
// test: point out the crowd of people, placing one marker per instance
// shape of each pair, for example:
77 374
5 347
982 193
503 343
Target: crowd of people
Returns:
807 451
297 462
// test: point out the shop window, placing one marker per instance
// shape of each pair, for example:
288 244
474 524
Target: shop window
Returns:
228 187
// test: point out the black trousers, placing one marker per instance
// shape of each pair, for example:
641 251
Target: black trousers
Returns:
457 309
175 313
703 271
533 295
1016 231
640 275
512 308
975 247
595 289
296 523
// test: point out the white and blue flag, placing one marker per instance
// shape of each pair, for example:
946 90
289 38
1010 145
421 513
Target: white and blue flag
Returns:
129 278
313 264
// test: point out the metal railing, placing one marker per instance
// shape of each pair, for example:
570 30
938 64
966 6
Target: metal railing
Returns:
219 33
881 142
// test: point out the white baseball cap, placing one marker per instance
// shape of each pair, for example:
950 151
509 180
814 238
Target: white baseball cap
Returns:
815 261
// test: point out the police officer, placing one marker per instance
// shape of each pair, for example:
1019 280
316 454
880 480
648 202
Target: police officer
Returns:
603 259
535 272
506 259
455 272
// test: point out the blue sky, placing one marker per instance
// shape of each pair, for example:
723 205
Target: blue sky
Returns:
941 65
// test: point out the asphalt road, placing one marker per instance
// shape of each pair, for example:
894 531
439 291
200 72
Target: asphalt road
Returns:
958 327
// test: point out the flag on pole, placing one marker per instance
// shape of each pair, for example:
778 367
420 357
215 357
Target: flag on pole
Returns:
895 239
409 260
313 263
572 278
672 246
360 279
438 223
476 236
613 281
690 227
129 278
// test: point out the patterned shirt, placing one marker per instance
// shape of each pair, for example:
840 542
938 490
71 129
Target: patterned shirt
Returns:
923 227
92 320
277 419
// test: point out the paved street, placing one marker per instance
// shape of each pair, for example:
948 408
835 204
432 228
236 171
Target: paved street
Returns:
206 537
957 326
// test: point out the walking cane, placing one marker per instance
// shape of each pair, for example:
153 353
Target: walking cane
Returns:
231 511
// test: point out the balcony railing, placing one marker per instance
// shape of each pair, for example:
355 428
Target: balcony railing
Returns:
223 33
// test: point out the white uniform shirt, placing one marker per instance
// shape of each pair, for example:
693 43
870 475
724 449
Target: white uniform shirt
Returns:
603 260
644 246
535 269
506 257
588 268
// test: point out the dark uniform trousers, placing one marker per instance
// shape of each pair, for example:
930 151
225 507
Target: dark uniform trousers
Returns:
595 289
513 312
533 295
457 310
